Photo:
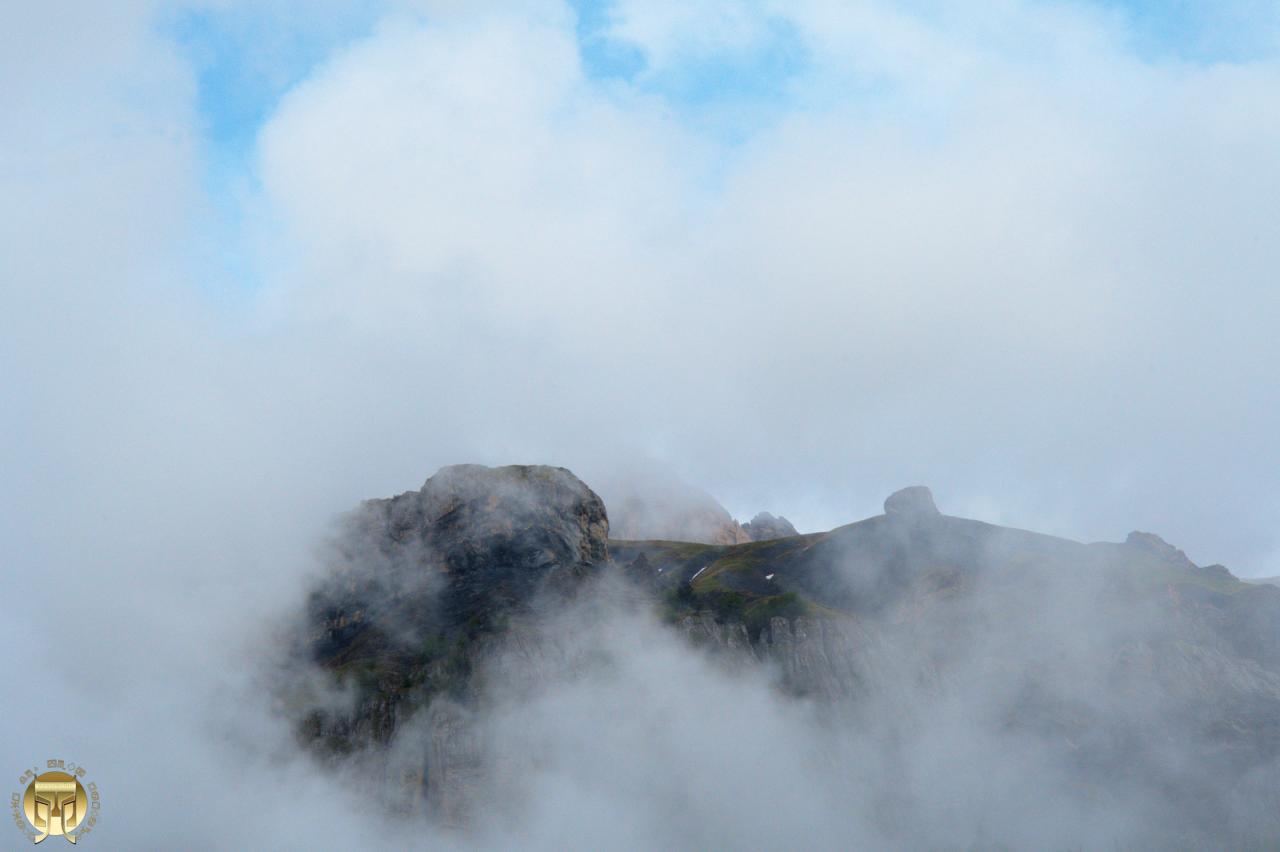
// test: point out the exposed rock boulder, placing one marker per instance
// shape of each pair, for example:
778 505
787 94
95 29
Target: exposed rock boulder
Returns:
421 583
913 502
764 527
472 543
470 505
1155 545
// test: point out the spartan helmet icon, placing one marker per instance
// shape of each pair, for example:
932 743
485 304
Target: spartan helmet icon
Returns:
55 804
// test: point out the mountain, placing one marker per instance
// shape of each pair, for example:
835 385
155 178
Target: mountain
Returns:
1141 683
765 526
649 503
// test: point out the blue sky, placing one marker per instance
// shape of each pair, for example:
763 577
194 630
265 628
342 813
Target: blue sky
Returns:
245 58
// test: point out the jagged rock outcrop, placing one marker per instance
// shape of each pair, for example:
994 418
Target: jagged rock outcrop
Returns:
765 526
470 543
1155 545
1117 661
913 502
419 579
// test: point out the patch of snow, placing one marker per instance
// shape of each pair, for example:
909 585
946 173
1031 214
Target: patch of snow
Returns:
700 570
768 576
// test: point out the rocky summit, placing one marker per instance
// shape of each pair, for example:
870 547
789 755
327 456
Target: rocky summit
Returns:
448 563
765 526
1123 670
913 502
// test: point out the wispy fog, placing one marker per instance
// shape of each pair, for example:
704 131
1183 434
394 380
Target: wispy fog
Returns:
1009 252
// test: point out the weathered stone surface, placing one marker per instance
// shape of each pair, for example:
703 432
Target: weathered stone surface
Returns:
418 578
729 639
819 657
473 542
915 501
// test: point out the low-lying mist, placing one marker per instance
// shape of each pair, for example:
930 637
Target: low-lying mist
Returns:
988 688
1042 705
259 261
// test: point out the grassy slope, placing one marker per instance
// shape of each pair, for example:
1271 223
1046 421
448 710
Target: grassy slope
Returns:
731 581
857 569
861 567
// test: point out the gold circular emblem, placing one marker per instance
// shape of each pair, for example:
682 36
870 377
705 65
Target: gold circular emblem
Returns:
55 804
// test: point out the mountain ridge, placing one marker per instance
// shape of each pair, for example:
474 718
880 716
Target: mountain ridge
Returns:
432 589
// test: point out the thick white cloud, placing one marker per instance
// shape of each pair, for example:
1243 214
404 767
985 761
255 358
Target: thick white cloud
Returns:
996 254
1032 270
704 30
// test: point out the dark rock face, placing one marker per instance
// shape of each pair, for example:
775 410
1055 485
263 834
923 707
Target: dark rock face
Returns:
500 532
764 527
419 577
480 539
471 506
821 658
1127 665
913 502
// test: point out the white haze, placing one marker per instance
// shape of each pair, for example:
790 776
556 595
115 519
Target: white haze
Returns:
1004 257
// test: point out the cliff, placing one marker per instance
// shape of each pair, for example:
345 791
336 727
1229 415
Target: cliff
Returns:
1122 663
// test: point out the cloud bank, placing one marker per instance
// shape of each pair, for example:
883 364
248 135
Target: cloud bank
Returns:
1006 253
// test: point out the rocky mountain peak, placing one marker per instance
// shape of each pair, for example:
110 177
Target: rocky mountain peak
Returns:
765 527
449 599
915 501
1154 544
470 504
472 543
